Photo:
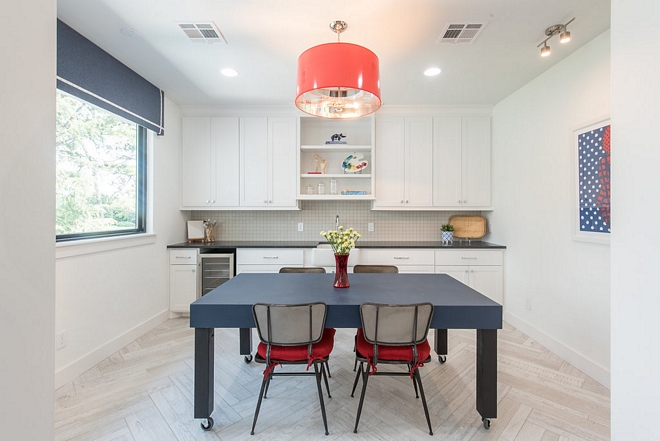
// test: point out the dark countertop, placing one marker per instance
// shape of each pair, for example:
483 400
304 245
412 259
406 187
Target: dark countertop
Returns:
457 244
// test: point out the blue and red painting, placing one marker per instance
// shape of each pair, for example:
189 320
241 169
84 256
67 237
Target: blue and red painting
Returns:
594 180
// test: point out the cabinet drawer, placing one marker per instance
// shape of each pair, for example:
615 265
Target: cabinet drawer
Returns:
468 257
396 256
183 257
269 256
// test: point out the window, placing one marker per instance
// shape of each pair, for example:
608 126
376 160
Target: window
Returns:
101 172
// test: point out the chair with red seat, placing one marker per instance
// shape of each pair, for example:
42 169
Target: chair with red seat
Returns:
293 334
393 334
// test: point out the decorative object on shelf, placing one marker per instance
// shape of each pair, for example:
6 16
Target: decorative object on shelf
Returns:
209 230
333 186
325 91
321 188
310 189
447 233
354 163
553 30
195 230
323 164
342 242
353 192
336 139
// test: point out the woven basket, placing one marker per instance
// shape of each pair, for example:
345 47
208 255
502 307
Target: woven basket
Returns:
468 227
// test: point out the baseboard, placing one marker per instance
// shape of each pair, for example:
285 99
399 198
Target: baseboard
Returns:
585 364
72 370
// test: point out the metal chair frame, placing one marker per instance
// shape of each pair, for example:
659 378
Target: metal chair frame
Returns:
415 340
319 365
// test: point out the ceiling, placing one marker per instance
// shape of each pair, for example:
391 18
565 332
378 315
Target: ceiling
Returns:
265 38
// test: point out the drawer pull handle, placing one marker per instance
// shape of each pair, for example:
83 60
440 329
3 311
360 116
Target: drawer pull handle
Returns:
402 257
182 257
469 258
271 257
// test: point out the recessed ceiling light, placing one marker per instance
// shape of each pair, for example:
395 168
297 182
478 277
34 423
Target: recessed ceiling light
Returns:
432 71
229 72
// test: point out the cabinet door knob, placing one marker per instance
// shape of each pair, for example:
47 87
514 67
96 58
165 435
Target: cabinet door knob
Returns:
270 202
406 202
207 201
402 201
265 201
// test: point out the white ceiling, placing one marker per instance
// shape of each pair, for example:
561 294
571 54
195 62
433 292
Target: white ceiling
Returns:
265 38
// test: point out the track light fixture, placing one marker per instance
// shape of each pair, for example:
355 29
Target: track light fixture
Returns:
558 29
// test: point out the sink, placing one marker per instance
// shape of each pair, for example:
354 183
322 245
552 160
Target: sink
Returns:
323 255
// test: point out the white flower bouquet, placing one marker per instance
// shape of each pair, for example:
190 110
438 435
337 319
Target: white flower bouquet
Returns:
341 241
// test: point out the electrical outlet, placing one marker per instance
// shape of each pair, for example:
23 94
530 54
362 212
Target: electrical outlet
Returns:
528 304
60 340
300 226
370 226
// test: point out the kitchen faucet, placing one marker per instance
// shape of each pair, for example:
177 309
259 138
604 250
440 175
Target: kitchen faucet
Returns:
337 223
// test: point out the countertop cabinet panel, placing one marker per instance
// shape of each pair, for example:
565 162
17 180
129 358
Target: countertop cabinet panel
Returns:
267 260
479 269
183 279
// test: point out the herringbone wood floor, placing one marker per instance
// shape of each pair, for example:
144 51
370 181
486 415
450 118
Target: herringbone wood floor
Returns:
145 392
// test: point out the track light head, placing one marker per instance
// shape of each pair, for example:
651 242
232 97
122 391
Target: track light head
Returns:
545 50
558 29
565 37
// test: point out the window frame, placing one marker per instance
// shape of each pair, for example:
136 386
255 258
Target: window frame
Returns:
141 196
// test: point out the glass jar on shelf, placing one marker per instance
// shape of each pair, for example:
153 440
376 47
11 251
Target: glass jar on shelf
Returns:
321 188
333 186
310 189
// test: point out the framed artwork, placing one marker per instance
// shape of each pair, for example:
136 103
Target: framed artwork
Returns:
592 176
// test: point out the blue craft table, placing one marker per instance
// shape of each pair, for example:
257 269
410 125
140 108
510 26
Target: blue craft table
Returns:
457 306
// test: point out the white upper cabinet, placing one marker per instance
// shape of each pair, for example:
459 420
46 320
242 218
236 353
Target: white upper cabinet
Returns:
268 162
210 163
461 162
404 168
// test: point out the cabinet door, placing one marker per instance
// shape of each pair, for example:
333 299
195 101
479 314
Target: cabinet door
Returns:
458 272
183 287
196 162
419 162
283 144
254 162
447 161
476 161
487 280
390 162
225 162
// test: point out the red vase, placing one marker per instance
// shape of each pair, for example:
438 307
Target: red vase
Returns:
341 271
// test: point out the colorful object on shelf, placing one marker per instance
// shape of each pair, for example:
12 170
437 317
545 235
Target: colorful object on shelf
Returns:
354 163
353 192
336 139
326 90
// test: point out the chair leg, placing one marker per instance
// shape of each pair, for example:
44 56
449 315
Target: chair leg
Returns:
267 386
327 369
421 390
324 366
355 364
365 378
261 395
357 378
414 382
318 386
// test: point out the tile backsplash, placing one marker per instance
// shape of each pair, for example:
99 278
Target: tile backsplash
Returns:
320 215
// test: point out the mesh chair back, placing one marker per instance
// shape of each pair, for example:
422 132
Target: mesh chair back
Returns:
301 270
290 325
396 325
375 269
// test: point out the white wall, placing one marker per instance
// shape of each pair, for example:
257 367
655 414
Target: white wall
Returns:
635 205
27 219
567 282
107 298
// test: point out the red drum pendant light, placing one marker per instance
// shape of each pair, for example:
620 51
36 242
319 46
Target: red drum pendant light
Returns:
338 80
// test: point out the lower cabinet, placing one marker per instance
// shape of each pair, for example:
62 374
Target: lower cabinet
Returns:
267 260
407 260
183 279
479 269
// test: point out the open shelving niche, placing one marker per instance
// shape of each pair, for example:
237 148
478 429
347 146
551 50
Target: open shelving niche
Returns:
360 135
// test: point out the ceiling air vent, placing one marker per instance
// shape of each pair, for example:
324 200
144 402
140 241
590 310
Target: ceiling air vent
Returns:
461 32
204 31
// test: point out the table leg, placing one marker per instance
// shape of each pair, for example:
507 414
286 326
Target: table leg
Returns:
487 373
441 344
245 341
204 338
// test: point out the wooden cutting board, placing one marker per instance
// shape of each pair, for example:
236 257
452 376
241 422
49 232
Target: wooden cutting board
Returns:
468 227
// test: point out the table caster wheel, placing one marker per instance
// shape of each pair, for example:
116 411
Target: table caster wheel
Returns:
208 425
248 358
486 422
442 358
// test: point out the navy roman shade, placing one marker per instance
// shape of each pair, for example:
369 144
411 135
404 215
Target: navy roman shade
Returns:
88 72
